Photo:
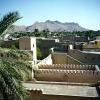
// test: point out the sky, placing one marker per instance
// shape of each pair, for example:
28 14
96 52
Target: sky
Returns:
84 12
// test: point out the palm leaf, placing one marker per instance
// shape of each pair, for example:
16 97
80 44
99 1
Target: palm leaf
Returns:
8 20
10 87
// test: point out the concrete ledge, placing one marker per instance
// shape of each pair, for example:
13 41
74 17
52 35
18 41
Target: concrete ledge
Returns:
64 90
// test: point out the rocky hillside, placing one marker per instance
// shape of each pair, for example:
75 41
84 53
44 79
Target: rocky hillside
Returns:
53 26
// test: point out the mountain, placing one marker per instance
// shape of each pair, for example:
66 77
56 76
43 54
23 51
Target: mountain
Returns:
53 26
15 28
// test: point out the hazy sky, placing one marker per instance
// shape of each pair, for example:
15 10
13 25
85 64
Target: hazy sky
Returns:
84 12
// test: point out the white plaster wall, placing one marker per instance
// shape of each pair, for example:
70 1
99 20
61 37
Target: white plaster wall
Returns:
46 61
33 47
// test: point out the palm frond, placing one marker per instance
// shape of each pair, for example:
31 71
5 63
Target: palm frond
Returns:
10 85
8 20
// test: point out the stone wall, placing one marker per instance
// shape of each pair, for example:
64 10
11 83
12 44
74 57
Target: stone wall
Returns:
64 58
9 44
77 76
67 67
38 95
59 58
73 38
76 57
85 57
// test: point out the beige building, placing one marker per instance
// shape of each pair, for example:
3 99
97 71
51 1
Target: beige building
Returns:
95 44
28 43
64 81
63 76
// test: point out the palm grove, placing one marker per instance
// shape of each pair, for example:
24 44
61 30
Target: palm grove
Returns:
14 68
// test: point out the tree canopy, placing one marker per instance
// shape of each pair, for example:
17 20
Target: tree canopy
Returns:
12 70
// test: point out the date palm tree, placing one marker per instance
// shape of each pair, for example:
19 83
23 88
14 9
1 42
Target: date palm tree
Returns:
10 79
7 20
10 82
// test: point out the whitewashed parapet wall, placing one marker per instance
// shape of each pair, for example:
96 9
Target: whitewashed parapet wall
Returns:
46 61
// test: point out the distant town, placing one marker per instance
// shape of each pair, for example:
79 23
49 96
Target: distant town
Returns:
48 61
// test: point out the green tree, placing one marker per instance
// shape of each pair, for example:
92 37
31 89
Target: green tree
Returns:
10 78
37 33
12 72
10 82
45 32
39 53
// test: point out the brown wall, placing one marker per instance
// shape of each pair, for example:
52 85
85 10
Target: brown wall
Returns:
67 67
76 76
73 38
63 58
39 96
59 58
24 43
9 44
76 57
89 58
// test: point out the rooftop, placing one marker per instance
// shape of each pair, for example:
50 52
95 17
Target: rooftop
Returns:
91 52
63 89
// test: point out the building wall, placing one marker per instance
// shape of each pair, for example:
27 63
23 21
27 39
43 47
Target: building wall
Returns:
28 43
92 44
92 49
68 67
85 57
76 57
46 61
76 76
36 95
33 48
46 44
9 43
63 58
73 38
25 43
59 58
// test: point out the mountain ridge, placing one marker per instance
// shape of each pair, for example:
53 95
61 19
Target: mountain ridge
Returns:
53 26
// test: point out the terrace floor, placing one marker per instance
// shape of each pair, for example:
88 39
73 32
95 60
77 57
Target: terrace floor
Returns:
63 89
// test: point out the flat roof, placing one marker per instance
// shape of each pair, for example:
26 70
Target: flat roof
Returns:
91 52
63 89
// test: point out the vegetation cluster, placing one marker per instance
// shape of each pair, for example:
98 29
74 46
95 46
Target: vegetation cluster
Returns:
14 65
46 33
